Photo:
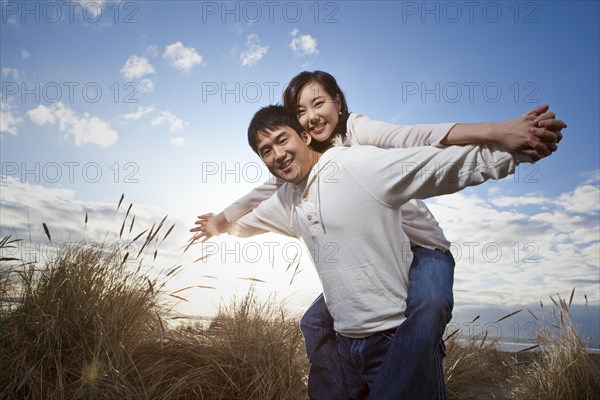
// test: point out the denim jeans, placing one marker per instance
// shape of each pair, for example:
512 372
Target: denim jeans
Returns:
325 376
412 366
361 360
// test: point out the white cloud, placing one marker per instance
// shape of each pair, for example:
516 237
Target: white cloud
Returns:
136 67
9 119
14 73
584 199
93 8
253 52
509 257
139 113
25 54
83 129
303 45
152 50
146 85
181 57
178 141
168 118
25 206
506 201
158 118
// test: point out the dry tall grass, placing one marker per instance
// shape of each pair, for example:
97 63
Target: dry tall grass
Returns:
559 369
87 326
476 370
563 368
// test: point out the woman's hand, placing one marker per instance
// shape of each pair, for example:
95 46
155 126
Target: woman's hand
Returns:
535 134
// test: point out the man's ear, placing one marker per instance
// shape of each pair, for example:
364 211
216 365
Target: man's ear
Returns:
306 138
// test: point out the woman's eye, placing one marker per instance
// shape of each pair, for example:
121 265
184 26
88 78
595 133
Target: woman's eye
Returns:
300 113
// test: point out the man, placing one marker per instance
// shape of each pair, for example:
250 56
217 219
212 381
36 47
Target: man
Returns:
351 198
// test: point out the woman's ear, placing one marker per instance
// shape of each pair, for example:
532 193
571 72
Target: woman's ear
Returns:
306 138
338 103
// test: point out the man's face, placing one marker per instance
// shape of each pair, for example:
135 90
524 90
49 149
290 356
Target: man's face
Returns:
286 154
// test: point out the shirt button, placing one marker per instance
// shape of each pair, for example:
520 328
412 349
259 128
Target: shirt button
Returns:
305 198
309 217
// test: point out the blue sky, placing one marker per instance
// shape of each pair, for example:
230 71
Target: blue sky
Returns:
152 99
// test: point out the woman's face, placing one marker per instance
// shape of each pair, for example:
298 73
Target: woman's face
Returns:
317 111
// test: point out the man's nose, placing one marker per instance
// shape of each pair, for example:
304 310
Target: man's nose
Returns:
278 152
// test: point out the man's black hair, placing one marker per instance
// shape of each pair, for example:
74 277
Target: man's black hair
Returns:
269 118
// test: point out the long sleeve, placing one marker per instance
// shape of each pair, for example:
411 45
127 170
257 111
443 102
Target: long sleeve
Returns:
251 200
271 215
365 131
400 175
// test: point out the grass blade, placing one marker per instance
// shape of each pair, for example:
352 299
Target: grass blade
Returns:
47 231
120 201
508 315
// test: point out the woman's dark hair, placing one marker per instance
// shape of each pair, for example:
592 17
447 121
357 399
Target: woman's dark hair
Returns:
269 118
292 93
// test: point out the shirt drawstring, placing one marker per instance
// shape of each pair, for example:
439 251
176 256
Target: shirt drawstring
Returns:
292 210
319 198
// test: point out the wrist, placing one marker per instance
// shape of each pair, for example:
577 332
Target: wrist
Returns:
221 223
481 133
495 132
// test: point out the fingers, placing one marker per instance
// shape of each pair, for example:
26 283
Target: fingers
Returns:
560 136
202 236
554 125
545 135
538 110
535 156
544 116
539 147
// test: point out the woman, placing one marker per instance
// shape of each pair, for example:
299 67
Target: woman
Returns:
321 108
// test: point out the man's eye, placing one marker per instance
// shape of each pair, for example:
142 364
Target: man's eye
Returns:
318 104
266 152
283 140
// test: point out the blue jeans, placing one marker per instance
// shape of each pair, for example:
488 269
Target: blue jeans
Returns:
361 361
325 376
412 366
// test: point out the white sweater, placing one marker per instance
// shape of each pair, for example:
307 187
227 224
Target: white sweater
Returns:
419 224
348 214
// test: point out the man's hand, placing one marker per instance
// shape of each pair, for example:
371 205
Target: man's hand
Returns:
209 225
